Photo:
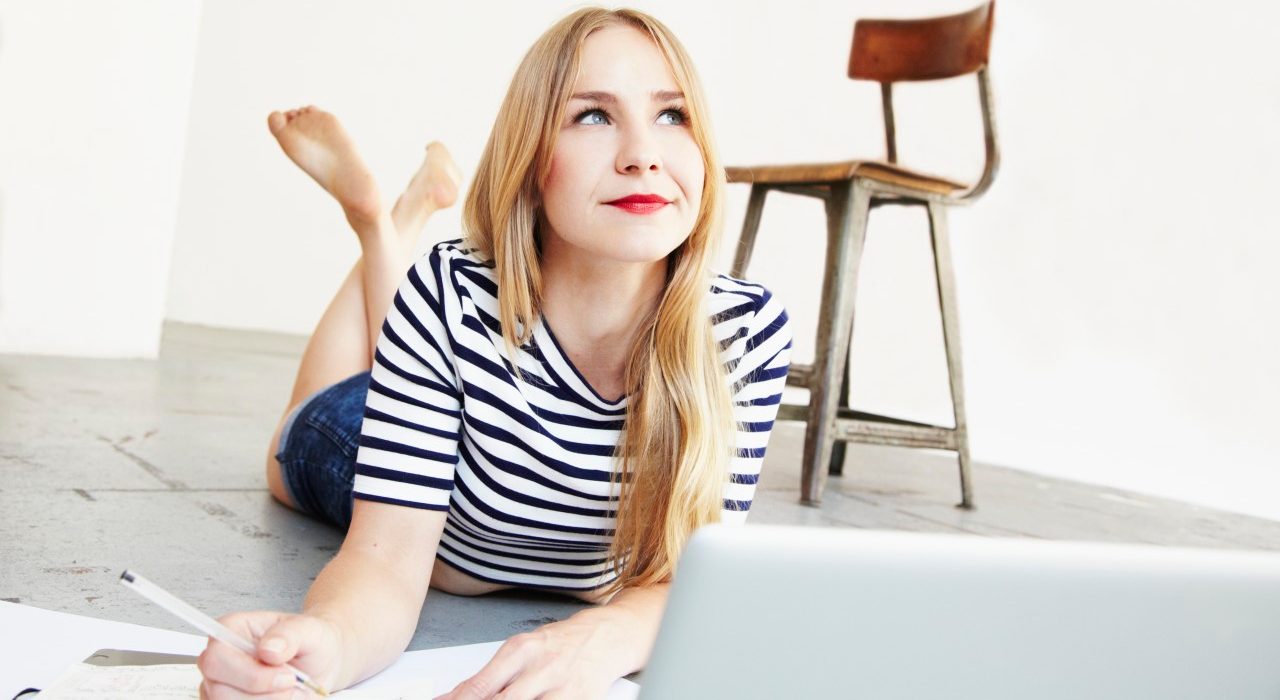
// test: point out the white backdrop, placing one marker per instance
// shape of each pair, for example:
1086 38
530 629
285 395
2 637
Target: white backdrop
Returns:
1117 316
93 121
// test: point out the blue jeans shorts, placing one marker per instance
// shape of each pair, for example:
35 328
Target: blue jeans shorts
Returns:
318 450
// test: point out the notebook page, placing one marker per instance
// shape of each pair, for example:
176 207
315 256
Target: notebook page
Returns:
182 682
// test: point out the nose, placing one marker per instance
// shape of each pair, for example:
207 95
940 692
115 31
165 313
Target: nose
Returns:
638 151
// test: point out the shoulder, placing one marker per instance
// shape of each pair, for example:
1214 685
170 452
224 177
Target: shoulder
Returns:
455 254
739 304
454 266
752 328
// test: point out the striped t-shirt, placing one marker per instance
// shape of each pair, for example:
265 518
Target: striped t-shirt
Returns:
523 466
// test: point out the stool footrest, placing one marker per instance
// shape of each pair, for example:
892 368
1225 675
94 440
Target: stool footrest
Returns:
798 375
870 428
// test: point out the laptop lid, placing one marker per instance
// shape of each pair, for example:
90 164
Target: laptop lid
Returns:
789 612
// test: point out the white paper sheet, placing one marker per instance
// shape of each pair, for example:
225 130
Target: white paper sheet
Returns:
85 682
449 666
37 646
182 682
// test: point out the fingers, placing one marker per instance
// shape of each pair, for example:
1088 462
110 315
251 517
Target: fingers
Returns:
231 673
573 693
210 690
252 624
545 684
285 639
527 687
525 668
223 664
505 665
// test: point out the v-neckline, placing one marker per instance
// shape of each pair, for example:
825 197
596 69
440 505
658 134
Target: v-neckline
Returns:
564 357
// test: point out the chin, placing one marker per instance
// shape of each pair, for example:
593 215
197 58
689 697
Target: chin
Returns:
642 247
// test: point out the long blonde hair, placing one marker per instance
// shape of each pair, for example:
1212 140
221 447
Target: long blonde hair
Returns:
673 453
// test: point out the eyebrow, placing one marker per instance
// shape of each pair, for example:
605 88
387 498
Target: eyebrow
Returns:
609 98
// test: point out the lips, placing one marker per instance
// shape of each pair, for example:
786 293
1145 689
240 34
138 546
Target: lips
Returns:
640 203
640 199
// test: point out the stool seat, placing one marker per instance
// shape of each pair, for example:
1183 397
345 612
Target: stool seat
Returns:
825 173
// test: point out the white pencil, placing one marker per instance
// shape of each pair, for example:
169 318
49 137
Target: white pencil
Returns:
204 623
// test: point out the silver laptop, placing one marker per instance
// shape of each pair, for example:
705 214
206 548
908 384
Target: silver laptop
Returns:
786 612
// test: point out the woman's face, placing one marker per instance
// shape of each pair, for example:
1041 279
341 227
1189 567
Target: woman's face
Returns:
624 134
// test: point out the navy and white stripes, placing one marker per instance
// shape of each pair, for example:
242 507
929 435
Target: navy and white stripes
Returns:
523 467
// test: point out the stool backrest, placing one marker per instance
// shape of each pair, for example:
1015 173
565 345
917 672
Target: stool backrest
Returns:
895 50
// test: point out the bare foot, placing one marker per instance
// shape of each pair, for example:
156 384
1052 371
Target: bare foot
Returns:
317 143
433 187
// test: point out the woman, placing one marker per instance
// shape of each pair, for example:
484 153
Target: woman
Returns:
467 447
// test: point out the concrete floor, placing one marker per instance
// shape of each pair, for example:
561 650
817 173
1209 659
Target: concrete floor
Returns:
157 466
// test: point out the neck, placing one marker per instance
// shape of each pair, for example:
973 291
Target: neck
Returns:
596 306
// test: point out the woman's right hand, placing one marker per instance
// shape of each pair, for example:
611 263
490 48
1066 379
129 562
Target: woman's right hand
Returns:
308 643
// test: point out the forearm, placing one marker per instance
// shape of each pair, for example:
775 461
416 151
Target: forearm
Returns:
631 621
373 606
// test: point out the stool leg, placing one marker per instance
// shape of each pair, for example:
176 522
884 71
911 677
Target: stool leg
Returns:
951 337
750 225
836 468
847 210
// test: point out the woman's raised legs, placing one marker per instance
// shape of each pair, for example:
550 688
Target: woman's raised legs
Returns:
343 341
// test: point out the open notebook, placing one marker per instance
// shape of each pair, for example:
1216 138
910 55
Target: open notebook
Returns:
42 648
182 682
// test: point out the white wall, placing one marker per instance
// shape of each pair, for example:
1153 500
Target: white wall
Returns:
93 115
1117 316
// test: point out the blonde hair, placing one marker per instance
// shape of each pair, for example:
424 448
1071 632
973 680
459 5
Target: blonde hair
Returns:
674 449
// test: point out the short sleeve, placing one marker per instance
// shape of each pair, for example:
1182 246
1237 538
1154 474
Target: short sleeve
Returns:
409 438
758 376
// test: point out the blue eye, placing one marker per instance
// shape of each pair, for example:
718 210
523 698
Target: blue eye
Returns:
682 117
595 111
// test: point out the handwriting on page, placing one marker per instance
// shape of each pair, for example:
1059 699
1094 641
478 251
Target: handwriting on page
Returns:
178 682
121 682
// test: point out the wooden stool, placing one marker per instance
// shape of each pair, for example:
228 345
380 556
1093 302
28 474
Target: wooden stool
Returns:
886 51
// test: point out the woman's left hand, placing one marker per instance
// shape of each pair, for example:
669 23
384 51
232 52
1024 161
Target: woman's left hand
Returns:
574 659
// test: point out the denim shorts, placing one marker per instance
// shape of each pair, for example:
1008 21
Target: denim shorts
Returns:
318 450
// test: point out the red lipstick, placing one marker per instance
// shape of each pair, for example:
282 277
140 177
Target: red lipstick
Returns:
640 203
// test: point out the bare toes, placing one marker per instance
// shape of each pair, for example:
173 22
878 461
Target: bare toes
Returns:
276 121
